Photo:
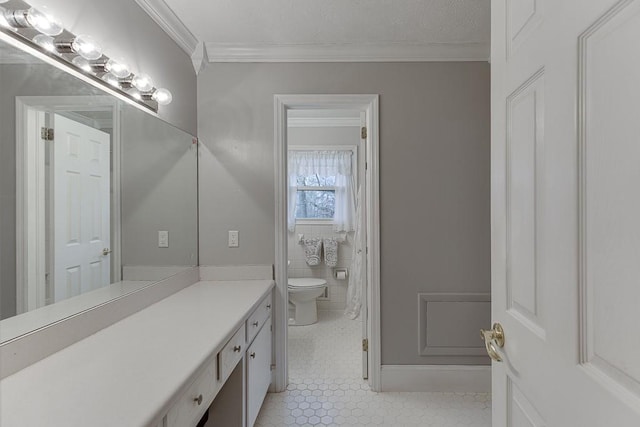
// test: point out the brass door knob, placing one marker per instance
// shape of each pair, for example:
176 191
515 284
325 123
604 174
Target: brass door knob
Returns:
253 355
255 324
492 338
198 400
268 306
237 349
106 251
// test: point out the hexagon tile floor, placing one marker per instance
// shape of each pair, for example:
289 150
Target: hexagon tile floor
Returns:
326 387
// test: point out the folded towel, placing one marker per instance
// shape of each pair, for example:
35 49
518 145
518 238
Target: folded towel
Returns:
330 251
312 250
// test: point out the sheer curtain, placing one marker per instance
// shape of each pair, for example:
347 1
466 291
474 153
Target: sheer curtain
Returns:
327 163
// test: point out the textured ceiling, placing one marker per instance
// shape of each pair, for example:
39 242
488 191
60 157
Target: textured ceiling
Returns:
287 22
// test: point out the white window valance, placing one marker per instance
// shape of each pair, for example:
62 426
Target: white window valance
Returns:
336 163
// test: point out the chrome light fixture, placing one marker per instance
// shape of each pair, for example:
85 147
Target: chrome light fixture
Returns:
80 51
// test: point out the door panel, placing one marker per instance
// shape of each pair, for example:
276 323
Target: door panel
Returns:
610 205
522 17
565 209
520 410
525 139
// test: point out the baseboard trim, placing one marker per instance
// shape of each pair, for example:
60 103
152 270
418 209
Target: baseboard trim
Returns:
436 378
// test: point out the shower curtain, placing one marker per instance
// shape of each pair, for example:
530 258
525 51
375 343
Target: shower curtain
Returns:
356 283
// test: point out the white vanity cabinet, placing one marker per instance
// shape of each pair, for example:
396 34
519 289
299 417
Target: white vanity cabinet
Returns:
223 365
258 371
249 345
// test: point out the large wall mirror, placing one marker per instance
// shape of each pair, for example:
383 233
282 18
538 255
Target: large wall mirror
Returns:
97 197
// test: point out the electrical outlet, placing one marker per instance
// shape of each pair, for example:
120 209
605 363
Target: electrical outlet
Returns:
163 239
234 237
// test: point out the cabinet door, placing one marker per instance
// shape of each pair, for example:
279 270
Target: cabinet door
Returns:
258 372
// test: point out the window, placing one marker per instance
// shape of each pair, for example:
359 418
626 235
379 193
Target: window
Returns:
316 197
321 187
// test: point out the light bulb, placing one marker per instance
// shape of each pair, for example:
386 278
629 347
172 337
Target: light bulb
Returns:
86 47
43 21
82 63
111 79
46 42
162 96
119 68
142 82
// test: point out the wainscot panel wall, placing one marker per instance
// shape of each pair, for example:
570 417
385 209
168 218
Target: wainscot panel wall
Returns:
125 30
434 183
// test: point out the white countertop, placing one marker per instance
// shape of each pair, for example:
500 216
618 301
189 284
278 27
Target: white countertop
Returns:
126 374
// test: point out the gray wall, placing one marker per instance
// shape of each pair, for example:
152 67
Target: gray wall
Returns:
126 31
434 165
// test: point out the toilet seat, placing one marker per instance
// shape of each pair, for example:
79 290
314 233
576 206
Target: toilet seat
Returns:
306 283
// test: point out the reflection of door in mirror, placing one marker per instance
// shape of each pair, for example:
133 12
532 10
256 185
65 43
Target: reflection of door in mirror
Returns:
80 232
67 233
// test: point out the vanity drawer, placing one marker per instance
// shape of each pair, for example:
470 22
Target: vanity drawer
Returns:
193 403
258 317
229 356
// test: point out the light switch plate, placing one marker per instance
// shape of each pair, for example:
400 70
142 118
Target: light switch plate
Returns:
163 239
234 237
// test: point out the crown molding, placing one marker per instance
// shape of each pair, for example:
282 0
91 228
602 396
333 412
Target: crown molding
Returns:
347 52
162 14
320 122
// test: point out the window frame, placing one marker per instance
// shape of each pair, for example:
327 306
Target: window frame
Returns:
354 168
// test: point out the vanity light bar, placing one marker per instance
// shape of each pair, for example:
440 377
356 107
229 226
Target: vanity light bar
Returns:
79 51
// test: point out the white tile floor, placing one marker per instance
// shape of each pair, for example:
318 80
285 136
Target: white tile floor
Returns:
326 387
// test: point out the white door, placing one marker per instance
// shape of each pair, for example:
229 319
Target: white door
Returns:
566 212
81 209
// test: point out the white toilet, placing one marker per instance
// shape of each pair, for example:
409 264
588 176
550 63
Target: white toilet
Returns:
303 292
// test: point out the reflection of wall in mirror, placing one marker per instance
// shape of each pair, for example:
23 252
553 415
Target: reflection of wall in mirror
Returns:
159 197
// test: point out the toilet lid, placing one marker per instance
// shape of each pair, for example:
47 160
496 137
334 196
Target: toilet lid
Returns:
306 282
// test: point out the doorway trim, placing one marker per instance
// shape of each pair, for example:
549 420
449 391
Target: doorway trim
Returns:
369 104
30 193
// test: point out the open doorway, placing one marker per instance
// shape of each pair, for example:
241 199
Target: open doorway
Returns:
307 127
